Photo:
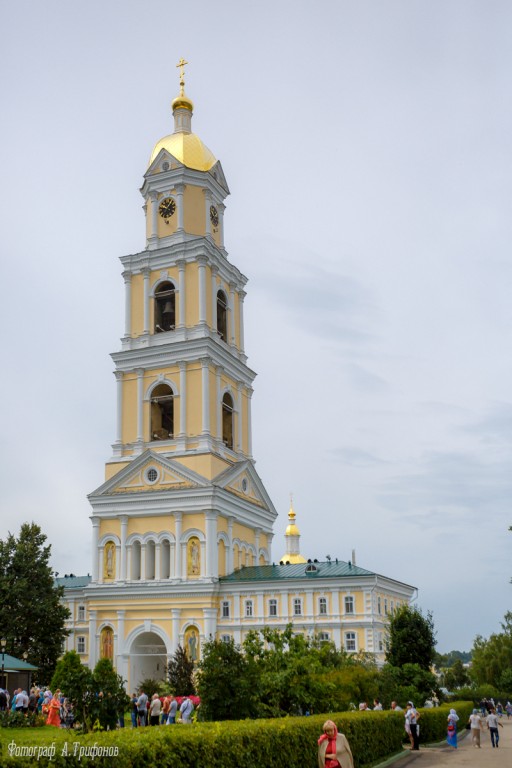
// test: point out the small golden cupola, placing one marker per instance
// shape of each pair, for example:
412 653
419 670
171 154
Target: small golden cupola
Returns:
292 538
184 145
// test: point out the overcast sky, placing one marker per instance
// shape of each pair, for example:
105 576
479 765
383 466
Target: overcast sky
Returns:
367 147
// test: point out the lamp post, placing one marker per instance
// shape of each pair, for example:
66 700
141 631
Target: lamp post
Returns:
3 643
25 657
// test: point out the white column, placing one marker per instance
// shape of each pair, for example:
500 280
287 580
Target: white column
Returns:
181 293
119 415
158 548
229 553
92 639
183 398
127 276
232 313
241 297
212 568
154 216
260 607
207 203
175 621
95 552
239 421
215 272
120 633
205 379
210 622
129 562
140 404
124 529
270 536
220 209
180 188
257 532
143 561
218 404
201 261
249 421
178 518
146 273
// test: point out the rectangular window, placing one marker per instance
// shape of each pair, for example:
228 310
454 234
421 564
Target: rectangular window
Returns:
81 613
323 637
379 609
80 644
297 606
322 606
248 608
386 606
349 605
272 607
350 641
225 638
225 609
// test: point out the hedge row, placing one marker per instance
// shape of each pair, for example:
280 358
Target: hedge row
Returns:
279 743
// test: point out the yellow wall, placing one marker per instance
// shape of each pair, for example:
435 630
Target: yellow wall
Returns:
129 431
195 210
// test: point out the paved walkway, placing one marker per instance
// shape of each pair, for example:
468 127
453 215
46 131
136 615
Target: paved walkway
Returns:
467 756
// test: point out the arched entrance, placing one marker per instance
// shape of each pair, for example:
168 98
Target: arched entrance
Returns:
148 659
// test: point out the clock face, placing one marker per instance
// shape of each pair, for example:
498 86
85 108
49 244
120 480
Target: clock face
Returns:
167 208
214 216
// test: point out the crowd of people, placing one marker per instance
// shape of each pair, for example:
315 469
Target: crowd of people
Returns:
57 709
161 710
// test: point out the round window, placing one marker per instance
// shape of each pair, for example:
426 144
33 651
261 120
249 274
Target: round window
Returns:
244 485
151 475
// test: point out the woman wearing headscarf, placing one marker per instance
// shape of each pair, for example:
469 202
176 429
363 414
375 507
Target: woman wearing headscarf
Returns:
411 725
54 711
333 748
451 735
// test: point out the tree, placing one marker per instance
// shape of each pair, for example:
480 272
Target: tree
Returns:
32 616
180 673
411 638
493 657
226 682
97 696
456 676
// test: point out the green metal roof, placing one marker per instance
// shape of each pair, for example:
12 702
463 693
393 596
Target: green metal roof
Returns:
326 570
12 664
72 581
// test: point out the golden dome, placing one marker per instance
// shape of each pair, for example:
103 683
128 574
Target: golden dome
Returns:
182 102
188 149
292 530
293 559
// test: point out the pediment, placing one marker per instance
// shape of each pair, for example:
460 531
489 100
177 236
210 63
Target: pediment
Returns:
218 174
243 481
149 473
163 157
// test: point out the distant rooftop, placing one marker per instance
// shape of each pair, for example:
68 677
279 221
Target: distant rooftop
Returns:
315 569
70 581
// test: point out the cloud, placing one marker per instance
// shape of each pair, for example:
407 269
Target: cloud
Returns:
356 457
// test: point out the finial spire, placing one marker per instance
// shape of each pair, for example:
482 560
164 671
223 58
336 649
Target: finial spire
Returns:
291 513
181 64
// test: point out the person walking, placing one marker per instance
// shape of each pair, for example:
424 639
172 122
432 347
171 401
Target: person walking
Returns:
142 707
451 735
186 709
333 748
155 709
476 724
173 709
493 723
411 725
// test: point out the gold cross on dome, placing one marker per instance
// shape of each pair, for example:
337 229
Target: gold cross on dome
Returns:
181 64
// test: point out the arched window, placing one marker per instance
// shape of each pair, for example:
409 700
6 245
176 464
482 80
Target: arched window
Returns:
222 315
165 308
162 413
227 420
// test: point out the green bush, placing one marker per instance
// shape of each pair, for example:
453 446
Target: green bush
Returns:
265 743
9 719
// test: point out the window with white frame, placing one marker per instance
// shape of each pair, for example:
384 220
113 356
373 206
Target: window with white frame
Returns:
350 641
386 606
225 609
80 644
297 606
225 638
272 607
248 608
81 613
324 637
349 604
379 607
322 606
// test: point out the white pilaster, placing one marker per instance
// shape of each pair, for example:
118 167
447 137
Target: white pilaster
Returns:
239 420
220 209
180 188
229 553
119 410
260 606
153 235
143 561
205 382
212 568
257 532
218 404
146 274
127 276
241 297
201 262
140 404
95 547
183 398
120 633
215 272
178 520
210 622
181 293
249 391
